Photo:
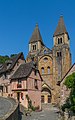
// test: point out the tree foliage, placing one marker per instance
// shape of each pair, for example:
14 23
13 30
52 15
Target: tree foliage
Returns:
13 55
3 59
70 83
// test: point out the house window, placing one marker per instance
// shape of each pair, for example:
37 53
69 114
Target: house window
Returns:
19 84
19 81
4 76
6 89
42 69
34 47
48 69
59 40
59 54
35 84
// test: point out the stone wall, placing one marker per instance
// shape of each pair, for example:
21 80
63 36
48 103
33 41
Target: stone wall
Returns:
11 115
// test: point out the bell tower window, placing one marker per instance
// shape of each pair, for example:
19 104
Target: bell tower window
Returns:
59 40
59 54
34 47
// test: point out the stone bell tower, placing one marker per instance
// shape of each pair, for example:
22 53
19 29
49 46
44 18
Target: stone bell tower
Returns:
35 44
61 51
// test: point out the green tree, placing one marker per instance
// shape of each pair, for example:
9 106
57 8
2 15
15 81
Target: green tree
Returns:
3 59
13 55
70 83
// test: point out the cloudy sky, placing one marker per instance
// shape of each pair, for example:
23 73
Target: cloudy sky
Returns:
18 19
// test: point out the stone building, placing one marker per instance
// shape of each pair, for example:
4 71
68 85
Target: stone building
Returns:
53 63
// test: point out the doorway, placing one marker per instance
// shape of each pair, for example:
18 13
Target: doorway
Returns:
46 95
18 96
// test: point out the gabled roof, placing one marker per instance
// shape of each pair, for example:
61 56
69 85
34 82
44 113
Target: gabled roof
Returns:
15 59
36 36
23 71
60 27
44 83
45 50
12 62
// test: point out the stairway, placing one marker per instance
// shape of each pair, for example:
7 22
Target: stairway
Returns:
49 106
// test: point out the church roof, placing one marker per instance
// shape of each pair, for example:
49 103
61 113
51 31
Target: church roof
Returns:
36 36
60 27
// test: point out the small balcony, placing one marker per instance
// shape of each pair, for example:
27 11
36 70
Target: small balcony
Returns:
19 86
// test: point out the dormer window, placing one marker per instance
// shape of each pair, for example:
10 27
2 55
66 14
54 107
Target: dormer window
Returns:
59 40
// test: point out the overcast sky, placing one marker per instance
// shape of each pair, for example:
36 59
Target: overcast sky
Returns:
18 19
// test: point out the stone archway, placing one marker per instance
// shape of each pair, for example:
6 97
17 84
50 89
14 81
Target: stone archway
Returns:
46 95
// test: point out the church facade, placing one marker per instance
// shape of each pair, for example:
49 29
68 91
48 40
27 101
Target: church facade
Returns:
53 63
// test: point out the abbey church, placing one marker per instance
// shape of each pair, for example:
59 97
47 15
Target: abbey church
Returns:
37 78
53 63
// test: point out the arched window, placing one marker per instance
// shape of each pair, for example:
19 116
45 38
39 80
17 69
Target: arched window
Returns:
48 69
59 54
42 69
45 59
59 40
34 47
45 51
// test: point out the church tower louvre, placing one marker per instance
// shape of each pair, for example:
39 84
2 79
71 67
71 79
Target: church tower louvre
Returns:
61 51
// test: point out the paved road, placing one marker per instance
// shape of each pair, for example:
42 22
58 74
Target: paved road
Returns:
49 113
5 105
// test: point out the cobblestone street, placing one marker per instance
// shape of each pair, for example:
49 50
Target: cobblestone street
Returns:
49 113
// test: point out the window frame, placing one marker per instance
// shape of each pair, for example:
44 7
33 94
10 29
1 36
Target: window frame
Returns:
60 40
42 70
35 83
48 69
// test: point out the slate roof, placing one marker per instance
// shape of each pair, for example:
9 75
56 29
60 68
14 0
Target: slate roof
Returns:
60 27
12 62
23 71
36 36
